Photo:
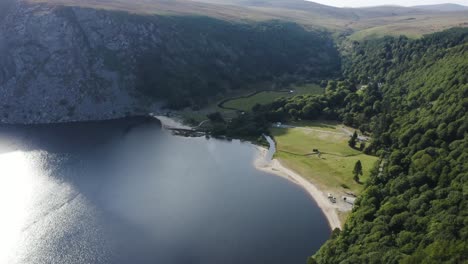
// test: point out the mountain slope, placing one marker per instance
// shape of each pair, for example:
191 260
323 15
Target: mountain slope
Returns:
297 5
62 63
443 7
414 207
364 22
398 20
110 56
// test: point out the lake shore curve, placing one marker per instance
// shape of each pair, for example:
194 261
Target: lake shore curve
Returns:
274 166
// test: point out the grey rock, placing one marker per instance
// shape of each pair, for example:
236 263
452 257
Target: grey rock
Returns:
61 64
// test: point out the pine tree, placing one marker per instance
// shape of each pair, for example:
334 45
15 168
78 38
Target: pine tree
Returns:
362 146
357 171
352 140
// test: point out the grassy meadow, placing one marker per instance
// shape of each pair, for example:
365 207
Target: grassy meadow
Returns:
333 169
246 103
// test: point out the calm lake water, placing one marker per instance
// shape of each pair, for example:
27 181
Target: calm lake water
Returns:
106 192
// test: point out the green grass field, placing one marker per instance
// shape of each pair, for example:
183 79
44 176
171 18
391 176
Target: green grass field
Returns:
266 97
246 104
334 167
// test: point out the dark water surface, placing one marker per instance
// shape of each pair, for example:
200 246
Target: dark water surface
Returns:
108 192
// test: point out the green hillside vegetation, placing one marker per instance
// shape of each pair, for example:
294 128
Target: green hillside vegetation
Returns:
411 97
415 211
230 56
340 100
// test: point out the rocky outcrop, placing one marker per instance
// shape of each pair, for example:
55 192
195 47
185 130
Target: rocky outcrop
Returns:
62 63
59 64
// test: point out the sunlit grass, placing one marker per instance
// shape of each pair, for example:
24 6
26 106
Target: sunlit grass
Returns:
334 168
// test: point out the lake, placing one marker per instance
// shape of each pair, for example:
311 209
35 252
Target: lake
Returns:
125 191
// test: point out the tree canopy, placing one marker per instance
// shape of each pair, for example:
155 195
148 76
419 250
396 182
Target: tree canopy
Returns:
415 209
203 57
411 95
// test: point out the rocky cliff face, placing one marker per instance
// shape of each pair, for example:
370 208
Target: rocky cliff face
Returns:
59 64
70 63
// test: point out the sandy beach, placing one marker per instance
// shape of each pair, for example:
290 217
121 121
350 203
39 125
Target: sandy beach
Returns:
275 167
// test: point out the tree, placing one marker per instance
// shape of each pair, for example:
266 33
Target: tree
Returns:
311 110
412 209
216 117
357 171
352 140
362 146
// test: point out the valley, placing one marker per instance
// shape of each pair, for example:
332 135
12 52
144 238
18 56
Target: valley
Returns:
367 104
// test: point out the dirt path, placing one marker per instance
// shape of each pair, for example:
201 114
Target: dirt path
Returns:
313 129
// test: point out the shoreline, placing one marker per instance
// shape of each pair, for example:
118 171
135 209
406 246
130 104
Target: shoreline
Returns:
275 167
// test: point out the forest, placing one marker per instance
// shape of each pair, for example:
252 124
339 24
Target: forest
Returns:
411 96
203 57
415 105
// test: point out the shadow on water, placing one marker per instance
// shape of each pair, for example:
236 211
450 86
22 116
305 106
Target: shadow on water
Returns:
74 156
141 196
68 137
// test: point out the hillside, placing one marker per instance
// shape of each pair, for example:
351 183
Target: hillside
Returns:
65 60
116 57
410 96
443 7
363 22
396 20
415 209
61 63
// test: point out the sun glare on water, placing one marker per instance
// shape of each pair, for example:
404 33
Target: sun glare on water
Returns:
17 181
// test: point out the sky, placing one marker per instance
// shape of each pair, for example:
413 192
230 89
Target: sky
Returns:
360 3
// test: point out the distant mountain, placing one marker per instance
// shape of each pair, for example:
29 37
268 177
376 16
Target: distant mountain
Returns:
443 7
316 9
324 11
5 6
367 22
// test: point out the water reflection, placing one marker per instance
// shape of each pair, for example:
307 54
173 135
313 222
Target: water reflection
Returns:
18 179
101 193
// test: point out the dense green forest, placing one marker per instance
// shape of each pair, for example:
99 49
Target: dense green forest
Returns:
412 96
416 209
202 57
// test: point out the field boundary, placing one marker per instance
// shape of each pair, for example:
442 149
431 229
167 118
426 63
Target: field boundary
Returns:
221 104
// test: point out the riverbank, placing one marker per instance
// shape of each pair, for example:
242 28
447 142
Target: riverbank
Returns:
274 166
